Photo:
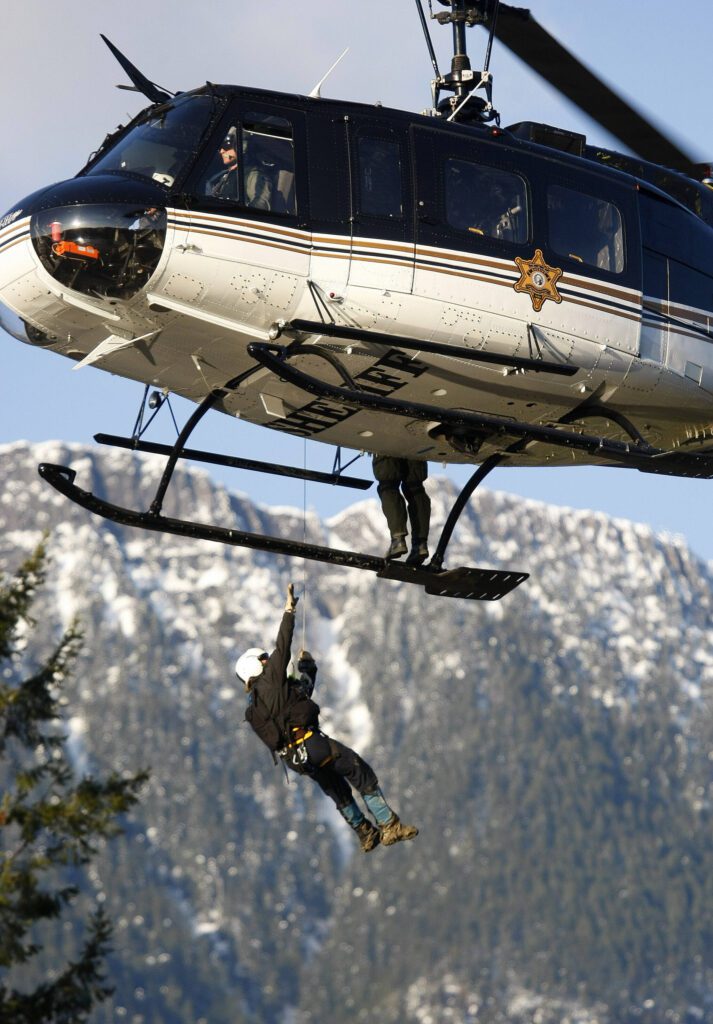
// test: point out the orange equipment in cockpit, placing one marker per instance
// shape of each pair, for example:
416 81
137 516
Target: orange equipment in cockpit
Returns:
75 249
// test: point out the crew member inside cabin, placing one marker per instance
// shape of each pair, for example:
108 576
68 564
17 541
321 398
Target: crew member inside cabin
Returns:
258 176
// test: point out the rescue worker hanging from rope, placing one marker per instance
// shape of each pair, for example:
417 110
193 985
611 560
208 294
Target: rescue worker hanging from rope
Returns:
282 713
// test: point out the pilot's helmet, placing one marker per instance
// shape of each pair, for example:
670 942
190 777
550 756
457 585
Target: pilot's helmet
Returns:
230 141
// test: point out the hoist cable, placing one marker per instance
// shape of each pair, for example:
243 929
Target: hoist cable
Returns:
304 541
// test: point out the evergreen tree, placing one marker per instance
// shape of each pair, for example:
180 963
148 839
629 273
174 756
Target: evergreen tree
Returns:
50 825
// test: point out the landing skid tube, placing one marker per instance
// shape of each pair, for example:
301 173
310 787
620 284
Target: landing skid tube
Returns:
469 583
135 445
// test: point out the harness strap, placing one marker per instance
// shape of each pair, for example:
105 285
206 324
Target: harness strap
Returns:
299 739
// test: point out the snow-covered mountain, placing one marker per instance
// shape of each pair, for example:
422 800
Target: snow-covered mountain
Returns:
552 747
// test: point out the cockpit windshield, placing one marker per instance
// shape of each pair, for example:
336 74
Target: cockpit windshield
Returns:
162 145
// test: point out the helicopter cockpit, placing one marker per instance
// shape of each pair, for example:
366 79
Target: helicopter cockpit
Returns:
105 231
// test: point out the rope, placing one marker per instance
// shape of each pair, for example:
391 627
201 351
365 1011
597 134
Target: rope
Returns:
304 541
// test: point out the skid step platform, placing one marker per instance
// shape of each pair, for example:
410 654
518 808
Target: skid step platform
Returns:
466 582
470 583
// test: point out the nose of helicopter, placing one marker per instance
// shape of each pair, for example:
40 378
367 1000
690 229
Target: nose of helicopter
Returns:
100 235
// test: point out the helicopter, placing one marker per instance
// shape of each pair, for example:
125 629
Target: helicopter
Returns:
432 286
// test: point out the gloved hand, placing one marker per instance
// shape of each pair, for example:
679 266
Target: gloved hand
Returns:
307 668
291 602
305 661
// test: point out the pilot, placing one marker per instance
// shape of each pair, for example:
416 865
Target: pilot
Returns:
226 184
394 478
258 173
281 712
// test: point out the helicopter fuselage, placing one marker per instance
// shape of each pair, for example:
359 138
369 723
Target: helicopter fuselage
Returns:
225 215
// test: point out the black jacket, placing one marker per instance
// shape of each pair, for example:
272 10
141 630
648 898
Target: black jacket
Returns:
270 691
277 705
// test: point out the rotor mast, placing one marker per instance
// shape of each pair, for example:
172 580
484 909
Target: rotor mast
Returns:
462 81
459 80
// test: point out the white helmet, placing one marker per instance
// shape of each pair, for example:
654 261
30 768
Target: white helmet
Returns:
250 664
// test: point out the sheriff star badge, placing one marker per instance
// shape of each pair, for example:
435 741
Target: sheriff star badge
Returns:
538 280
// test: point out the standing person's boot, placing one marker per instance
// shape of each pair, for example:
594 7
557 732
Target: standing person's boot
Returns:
390 828
397 548
419 552
367 835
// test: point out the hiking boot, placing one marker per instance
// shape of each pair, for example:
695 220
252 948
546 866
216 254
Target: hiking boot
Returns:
419 553
393 831
397 548
368 836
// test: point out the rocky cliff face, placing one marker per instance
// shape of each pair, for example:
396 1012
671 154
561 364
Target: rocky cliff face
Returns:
552 747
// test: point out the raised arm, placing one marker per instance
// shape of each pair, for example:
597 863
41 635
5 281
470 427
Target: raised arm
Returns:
280 657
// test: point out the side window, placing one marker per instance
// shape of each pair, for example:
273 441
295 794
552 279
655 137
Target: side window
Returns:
379 177
254 165
268 163
486 201
585 229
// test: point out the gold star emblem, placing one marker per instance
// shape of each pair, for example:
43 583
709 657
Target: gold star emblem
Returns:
538 280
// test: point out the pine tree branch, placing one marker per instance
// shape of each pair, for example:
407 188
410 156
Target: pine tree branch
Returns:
54 822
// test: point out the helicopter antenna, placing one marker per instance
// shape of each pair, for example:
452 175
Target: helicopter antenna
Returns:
140 82
316 94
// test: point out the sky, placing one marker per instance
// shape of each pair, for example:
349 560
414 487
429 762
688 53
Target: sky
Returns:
57 83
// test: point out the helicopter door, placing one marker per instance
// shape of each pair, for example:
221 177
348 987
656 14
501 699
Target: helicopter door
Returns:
592 235
678 289
245 256
381 208
473 218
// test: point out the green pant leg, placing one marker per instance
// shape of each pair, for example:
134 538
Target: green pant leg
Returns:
387 472
419 503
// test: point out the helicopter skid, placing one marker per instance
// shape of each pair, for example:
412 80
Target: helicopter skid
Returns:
465 582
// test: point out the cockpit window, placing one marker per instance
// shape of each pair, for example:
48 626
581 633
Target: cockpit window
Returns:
162 145
585 229
254 165
486 201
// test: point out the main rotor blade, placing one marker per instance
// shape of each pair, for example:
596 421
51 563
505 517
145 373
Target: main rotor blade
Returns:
149 89
528 40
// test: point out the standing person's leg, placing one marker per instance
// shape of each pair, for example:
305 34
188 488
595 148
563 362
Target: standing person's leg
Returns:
419 508
387 473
